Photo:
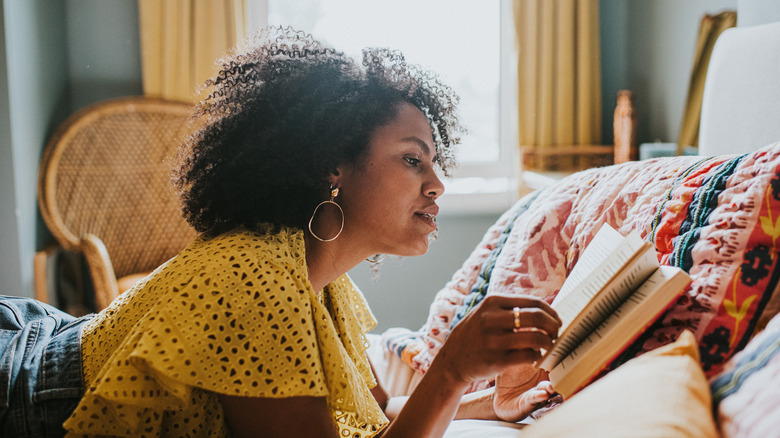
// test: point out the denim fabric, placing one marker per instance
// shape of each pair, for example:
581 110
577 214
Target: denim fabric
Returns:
41 379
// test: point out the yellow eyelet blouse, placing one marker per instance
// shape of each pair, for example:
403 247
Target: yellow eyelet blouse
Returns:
234 314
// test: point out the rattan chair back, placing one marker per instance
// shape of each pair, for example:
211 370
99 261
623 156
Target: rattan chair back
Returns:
104 187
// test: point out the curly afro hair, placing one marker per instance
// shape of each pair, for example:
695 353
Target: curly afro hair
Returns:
282 115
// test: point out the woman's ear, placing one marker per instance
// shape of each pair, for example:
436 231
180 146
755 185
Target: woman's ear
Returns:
334 177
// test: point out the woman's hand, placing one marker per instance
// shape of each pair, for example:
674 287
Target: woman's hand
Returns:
487 341
519 391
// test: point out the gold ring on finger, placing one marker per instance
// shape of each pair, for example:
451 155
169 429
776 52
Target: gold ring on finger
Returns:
516 314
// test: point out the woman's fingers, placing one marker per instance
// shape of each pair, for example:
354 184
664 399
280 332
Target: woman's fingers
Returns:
521 356
508 348
502 331
536 396
546 386
520 314
527 303
533 339
519 333
529 319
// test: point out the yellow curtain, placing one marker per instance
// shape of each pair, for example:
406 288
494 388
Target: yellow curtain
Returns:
710 28
559 79
181 40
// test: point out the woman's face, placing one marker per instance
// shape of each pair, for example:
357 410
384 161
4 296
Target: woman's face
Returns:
389 201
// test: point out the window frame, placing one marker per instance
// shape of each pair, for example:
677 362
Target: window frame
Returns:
480 188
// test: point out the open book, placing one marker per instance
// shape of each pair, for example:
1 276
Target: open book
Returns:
615 291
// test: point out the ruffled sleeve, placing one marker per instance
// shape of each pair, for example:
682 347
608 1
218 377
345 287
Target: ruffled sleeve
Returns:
356 410
259 340
353 319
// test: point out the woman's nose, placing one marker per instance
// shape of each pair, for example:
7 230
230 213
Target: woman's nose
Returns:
434 188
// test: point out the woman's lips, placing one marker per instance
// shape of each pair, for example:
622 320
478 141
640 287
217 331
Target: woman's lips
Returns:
428 218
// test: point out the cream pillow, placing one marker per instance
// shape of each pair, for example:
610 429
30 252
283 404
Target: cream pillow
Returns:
662 393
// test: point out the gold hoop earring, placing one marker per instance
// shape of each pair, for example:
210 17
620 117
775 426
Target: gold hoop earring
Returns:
334 191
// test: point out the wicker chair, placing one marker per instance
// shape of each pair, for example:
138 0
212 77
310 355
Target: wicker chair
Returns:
104 189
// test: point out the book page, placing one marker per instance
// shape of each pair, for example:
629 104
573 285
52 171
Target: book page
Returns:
614 334
599 269
592 313
600 247
615 266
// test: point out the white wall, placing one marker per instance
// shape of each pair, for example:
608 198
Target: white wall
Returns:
754 12
55 57
34 97
10 280
649 48
104 59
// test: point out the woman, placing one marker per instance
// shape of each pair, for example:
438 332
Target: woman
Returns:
303 164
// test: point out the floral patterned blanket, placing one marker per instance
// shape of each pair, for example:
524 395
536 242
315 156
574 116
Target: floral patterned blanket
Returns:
717 218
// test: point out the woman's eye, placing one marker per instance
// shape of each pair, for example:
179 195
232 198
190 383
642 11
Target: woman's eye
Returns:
414 162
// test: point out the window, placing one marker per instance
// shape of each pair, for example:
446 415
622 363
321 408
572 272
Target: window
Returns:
469 44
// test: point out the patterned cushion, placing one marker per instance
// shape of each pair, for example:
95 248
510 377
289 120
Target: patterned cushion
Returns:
717 218
745 395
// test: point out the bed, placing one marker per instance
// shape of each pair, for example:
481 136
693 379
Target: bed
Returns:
716 215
